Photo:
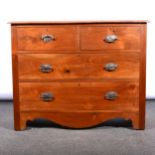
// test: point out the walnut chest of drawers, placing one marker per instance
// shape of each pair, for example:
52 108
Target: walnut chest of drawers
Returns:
79 74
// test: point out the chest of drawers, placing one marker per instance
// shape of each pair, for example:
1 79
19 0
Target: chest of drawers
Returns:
79 74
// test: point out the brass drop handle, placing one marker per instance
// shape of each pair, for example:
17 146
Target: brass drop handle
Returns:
46 68
47 96
110 38
110 66
47 38
111 95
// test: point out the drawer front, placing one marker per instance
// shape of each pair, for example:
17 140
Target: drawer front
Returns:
111 37
78 66
47 38
74 96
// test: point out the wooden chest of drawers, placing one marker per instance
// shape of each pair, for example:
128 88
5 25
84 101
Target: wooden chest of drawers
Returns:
79 74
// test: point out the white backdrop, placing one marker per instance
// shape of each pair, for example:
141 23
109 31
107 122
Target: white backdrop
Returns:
48 10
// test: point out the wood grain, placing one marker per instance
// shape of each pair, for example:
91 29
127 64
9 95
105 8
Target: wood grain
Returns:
76 96
142 81
15 83
29 38
92 38
82 119
13 23
78 66
78 81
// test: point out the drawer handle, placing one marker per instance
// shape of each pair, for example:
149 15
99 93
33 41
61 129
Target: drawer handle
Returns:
46 96
46 68
47 38
111 95
110 38
110 67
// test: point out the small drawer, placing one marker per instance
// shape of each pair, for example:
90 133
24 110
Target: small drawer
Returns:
113 65
47 38
110 37
82 96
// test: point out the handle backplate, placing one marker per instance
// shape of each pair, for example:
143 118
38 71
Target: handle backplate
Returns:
111 95
47 38
46 68
110 38
110 66
47 96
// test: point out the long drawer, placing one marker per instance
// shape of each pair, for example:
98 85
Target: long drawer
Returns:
79 96
78 66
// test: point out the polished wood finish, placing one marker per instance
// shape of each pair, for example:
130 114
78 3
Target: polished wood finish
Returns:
89 96
92 38
29 38
73 66
78 79
142 87
79 22
82 119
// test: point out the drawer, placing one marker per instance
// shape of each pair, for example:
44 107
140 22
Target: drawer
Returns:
47 38
110 37
78 66
74 96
